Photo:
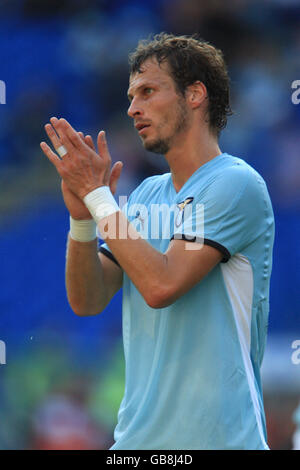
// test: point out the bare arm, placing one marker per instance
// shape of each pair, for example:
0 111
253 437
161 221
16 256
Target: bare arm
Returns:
92 279
160 278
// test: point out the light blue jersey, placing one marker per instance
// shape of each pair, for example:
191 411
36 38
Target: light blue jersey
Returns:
193 368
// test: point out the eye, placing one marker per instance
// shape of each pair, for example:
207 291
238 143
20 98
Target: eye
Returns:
148 90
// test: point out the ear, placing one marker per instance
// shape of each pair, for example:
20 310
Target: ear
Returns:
196 94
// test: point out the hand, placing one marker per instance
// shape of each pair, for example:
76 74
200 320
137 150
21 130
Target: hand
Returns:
82 168
72 201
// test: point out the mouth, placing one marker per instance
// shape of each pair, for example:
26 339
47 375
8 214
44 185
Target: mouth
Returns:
141 128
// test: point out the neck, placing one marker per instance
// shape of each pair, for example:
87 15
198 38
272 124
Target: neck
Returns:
189 151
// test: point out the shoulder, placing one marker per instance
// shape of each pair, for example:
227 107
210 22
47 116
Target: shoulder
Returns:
235 179
235 190
237 170
248 184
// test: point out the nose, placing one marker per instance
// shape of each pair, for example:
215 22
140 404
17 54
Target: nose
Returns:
134 109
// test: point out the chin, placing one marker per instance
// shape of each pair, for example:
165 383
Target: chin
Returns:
157 146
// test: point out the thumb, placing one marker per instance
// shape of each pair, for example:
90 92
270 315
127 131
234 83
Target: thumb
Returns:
114 176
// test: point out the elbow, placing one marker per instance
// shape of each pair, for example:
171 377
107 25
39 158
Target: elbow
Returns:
82 312
86 306
85 311
160 297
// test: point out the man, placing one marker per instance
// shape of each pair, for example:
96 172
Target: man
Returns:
194 320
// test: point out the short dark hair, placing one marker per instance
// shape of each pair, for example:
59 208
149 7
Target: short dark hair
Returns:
190 60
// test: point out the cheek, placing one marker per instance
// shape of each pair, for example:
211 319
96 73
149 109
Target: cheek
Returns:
167 121
163 114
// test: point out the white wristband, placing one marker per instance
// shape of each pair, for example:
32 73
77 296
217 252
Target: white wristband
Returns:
82 230
101 203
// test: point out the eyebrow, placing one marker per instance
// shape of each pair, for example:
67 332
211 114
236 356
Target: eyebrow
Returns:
143 85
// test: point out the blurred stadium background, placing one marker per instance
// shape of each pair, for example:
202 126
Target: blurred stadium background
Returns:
64 376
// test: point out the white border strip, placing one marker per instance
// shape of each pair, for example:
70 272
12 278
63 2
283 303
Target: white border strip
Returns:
238 278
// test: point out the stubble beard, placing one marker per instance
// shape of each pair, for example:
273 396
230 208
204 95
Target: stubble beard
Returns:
163 145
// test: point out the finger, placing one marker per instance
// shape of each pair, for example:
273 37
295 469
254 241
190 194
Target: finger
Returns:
54 121
52 156
74 138
104 152
104 155
115 175
64 140
52 136
89 141
103 148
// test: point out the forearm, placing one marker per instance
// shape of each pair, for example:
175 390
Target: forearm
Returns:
85 284
147 268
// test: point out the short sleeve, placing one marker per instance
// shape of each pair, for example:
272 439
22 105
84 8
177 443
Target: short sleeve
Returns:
235 211
104 249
